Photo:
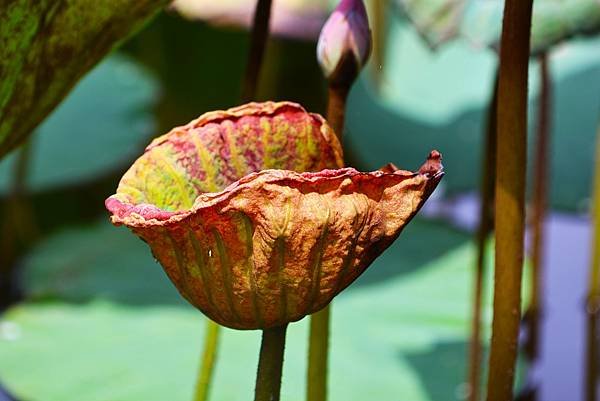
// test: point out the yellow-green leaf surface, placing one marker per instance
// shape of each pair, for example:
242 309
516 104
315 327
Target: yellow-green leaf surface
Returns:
47 45
103 323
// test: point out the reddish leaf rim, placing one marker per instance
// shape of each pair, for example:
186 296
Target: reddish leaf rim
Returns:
147 215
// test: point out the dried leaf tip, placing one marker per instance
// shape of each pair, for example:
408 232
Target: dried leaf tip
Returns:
433 165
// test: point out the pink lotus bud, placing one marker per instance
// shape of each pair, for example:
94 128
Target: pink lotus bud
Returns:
345 43
253 247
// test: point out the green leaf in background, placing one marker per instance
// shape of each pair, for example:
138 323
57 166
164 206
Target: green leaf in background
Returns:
438 21
480 21
45 48
99 127
103 323
98 262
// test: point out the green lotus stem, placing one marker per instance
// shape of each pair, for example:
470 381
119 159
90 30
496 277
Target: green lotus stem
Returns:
208 361
593 298
270 364
318 356
318 345
486 225
510 196
258 41
539 204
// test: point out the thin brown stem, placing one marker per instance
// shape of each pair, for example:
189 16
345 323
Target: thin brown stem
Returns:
486 225
336 108
258 42
510 196
593 298
270 364
539 206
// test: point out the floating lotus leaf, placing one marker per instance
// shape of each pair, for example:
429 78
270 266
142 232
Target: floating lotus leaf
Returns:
255 249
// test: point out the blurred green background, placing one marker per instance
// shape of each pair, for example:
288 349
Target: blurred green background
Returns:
98 319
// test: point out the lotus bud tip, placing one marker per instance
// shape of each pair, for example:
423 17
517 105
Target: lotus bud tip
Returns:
344 44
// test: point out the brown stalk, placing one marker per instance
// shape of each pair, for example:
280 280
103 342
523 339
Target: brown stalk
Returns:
258 42
270 364
486 226
510 196
539 206
336 108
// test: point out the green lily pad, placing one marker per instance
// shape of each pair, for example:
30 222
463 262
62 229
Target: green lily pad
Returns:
133 339
97 262
47 46
101 125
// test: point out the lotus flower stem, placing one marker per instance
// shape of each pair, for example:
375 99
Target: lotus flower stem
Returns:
510 196
208 360
318 345
539 203
318 355
343 49
336 108
258 41
593 298
270 364
486 226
